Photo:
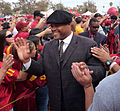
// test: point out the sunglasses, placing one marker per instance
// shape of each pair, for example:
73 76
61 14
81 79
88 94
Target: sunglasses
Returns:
9 36
95 27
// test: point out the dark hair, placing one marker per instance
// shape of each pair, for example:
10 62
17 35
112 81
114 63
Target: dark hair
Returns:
38 13
34 39
31 43
6 25
35 31
2 43
113 17
78 20
97 15
93 20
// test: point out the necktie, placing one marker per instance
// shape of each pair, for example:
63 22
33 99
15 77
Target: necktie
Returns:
61 48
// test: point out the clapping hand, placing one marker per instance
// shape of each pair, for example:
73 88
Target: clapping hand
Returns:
82 74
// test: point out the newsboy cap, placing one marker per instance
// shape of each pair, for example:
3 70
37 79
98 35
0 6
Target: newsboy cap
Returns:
59 17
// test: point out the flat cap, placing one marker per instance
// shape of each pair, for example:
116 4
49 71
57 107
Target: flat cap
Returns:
59 17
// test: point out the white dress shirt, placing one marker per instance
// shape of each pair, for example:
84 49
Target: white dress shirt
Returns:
66 41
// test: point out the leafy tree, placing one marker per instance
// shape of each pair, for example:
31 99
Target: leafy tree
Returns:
29 6
110 3
58 6
87 6
42 5
5 7
24 6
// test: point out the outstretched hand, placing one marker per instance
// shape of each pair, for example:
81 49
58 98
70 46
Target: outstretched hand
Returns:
22 50
82 74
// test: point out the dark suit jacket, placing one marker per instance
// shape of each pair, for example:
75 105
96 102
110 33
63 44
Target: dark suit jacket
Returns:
64 91
99 38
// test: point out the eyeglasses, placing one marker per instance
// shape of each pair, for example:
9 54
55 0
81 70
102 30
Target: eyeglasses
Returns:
95 27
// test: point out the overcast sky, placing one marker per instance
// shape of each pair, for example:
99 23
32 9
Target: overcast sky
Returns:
73 3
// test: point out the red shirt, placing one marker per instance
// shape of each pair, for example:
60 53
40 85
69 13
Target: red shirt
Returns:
7 89
33 24
23 35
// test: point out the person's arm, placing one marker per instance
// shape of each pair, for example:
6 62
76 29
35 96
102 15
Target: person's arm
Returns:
46 31
41 23
22 76
7 63
89 94
29 65
115 67
104 56
12 26
14 21
83 76
86 24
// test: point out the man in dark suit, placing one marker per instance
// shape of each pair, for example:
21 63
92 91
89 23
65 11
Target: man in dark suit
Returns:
65 93
93 33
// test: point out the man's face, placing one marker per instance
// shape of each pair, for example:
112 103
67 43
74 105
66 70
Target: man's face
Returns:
94 26
61 31
113 20
98 18
38 18
32 54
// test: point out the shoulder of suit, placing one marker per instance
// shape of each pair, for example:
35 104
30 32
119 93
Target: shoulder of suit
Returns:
50 43
99 34
84 39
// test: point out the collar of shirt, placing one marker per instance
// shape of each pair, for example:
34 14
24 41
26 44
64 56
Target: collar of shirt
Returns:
66 41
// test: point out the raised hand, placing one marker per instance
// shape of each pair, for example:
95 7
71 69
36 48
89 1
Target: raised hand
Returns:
22 50
82 74
7 62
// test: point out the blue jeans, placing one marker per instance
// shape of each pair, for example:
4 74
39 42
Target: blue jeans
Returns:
42 98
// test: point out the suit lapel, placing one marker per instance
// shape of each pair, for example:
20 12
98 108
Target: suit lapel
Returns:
56 51
97 38
68 52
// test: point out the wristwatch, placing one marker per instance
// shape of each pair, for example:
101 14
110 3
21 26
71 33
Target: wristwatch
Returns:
109 62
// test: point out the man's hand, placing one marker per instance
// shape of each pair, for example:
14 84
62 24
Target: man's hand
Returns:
82 74
22 50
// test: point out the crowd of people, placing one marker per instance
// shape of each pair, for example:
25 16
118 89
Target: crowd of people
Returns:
60 62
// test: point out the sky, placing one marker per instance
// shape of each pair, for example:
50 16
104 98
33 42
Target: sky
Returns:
73 3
